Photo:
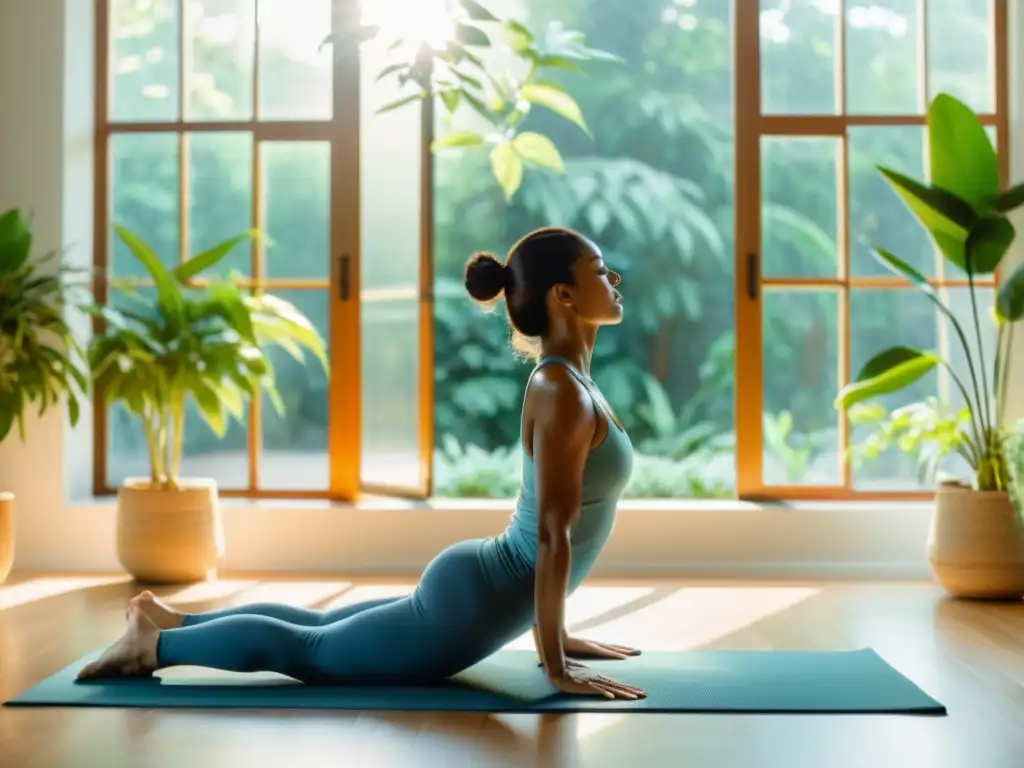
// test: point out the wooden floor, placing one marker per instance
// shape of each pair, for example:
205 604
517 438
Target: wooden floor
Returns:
968 655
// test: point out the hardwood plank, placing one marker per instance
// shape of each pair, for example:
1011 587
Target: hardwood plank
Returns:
968 655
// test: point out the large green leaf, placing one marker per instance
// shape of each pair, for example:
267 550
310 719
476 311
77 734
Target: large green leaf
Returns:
457 139
962 158
15 241
507 167
168 292
228 303
477 12
210 257
518 37
1009 199
1010 299
557 100
932 204
210 408
539 150
7 412
989 240
888 371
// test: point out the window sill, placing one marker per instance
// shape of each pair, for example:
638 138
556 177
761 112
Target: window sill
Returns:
484 505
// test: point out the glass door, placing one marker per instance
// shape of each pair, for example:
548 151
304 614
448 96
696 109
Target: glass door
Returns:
382 402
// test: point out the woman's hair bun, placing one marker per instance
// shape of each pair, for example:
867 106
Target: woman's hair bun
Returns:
486 276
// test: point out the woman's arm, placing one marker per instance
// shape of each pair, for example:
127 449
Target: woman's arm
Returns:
564 423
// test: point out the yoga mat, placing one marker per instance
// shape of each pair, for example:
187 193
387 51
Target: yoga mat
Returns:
857 681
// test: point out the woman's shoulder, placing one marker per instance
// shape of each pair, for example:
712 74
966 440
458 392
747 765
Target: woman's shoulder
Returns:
554 389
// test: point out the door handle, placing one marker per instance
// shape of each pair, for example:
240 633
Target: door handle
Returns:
753 280
343 277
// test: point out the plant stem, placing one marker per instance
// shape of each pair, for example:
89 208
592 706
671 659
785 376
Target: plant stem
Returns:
976 407
1003 348
154 452
987 422
967 399
161 443
178 422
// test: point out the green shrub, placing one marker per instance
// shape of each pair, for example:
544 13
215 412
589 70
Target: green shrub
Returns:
470 472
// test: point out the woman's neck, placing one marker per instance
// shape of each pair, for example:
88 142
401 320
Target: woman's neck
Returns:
574 345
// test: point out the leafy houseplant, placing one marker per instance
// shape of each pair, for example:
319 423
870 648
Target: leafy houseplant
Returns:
203 343
40 363
977 544
457 73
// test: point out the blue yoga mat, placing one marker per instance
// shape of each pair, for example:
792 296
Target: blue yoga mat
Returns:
858 681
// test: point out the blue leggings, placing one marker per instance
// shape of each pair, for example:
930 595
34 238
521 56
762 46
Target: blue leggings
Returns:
469 603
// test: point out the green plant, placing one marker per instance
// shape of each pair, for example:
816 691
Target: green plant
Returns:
964 210
472 472
204 342
1015 461
458 75
40 362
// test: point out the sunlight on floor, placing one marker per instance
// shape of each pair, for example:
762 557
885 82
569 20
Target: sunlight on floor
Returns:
587 604
589 724
690 617
208 591
13 595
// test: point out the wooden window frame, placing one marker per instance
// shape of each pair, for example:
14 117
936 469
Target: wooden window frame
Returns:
751 125
344 392
344 324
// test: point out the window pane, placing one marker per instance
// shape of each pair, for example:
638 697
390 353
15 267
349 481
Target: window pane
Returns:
960 51
882 57
225 459
297 208
882 319
801 367
144 198
144 60
798 56
294 454
221 40
390 271
220 196
296 80
799 193
127 453
655 191
878 217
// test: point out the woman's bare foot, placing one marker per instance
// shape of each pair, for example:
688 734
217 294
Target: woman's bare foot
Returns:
134 655
157 611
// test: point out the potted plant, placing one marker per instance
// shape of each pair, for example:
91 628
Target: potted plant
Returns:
976 541
199 342
40 363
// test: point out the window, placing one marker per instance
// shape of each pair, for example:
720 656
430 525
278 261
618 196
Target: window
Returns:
736 192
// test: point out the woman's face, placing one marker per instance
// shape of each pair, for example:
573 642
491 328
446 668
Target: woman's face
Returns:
594 298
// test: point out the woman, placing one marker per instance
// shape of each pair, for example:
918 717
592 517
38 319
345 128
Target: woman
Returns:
477 595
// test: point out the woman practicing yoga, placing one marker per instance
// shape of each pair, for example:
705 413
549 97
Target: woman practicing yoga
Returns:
475 596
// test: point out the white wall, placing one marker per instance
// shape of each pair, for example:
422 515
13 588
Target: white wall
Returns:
45 151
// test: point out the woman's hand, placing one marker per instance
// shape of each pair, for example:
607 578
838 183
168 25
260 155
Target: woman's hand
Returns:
578 680
575 646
